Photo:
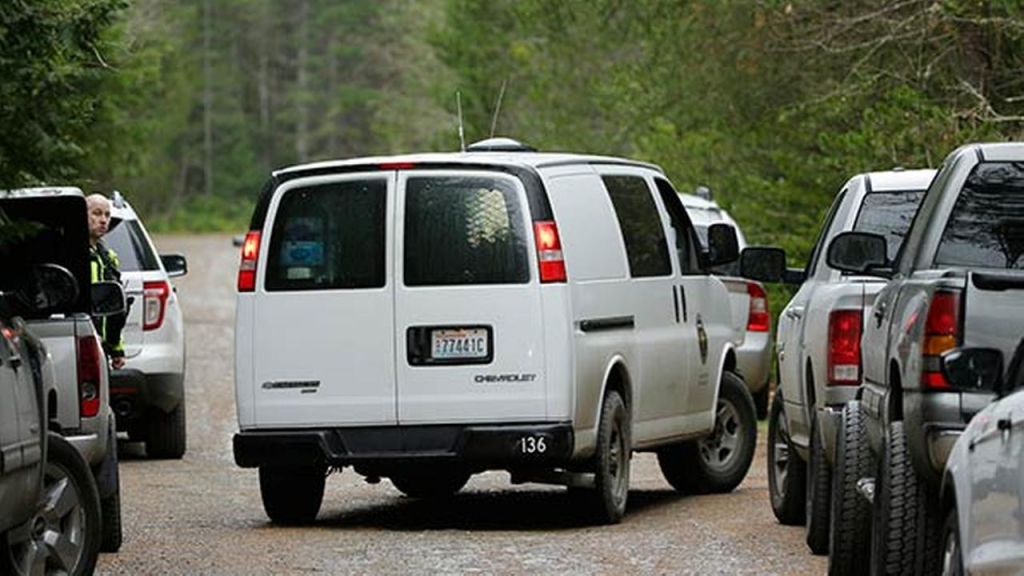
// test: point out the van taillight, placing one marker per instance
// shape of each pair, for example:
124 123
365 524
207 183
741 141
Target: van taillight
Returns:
154 303
844 328
941 334
758 319
247 268
549 252
89 357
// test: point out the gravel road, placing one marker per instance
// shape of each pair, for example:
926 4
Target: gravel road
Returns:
202 514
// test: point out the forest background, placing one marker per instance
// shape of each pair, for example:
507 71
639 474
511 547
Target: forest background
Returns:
187 105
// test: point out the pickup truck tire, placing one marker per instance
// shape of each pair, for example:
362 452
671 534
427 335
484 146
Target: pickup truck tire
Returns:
904 534
68 512
787 476
850 518
819 494
718 462
952 553
761 401
611 462
292 496
165 435
430 483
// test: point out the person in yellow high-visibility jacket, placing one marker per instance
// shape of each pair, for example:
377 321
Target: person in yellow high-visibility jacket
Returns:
105 265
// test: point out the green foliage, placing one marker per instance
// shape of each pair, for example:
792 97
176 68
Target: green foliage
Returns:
205 214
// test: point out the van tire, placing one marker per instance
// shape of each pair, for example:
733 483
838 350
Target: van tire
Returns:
850 519
292 496
612 460
819 493
19 545
787 476
433 484
165 437
718 462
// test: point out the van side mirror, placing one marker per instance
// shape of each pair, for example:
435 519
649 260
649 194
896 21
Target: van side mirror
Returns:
175 264
859 253
767 264
974 369
107 298
723 245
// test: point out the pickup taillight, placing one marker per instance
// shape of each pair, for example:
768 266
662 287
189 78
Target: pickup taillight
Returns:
89 355
154 303
758 318
844 330
941 334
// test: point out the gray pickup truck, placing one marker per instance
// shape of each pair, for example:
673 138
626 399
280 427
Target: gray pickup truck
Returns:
53 231
958 281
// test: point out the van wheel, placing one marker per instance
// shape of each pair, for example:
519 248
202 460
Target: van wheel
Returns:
165 437
718 462
437 484
611 463
787 476
952 555
904 530
819 493
292 496
850 518
63 536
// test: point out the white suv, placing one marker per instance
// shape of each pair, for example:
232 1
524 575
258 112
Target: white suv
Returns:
148 394
427 317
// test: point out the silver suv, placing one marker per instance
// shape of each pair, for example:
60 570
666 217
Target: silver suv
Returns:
148 394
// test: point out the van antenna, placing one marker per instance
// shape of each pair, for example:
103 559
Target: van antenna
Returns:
497 106
458 106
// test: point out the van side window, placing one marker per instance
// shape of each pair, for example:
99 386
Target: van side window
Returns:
329 236
640 225
689 263
464 230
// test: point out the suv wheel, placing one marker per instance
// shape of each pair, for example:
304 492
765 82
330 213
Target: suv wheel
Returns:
64 534
432 484
819 491
786 474
720 461
904 531
292 496
850 521
165 436
611 463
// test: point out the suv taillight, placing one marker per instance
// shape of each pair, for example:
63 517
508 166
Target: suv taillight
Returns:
758 318
247 268
941 334
154 303
549 252
844 328
89 356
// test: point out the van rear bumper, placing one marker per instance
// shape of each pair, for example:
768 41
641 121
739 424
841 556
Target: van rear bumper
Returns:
494 446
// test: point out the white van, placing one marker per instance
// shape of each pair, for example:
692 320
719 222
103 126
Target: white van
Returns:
427 317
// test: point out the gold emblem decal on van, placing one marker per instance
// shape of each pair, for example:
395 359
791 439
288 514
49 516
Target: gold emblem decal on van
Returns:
498 378
307 386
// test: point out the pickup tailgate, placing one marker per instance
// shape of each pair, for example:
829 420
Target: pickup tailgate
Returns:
994 310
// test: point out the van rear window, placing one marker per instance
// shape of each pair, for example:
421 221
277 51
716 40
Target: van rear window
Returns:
464 230
329 236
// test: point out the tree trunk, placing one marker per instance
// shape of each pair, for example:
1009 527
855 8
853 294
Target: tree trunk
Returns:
302 84
207 98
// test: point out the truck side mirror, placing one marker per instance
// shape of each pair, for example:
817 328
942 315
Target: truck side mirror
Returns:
46 289
107 298
974 369
763 263
859 253
723 246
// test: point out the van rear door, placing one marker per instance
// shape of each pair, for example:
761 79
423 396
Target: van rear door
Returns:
323 326
468 314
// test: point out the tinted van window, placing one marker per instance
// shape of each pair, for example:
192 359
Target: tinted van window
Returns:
640 225
329 236
889 214
464 230
129 242
986 227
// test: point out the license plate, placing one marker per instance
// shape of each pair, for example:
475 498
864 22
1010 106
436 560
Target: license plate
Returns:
457 343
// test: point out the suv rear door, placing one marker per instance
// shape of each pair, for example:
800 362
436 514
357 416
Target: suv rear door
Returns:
468 321
323 328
